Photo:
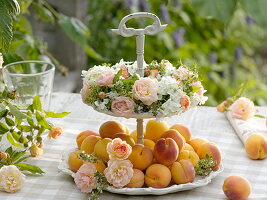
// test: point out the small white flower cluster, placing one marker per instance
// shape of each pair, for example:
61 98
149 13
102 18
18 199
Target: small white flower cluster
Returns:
171 90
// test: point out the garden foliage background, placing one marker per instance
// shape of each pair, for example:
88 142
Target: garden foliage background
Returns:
225 38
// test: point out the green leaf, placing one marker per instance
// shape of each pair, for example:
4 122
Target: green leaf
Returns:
11 57
8 10
16 112
9 121
13 141
79 33
42 121
37 105
26 128
222 10
43 13
30 121
3 128
256 9
30 168
9 150
17 155
56 115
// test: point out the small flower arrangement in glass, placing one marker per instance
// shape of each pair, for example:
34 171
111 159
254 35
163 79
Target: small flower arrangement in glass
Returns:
164 90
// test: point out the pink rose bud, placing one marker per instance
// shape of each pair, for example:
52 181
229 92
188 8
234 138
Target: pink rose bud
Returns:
35 151
102 95
55 132
154 72
3 155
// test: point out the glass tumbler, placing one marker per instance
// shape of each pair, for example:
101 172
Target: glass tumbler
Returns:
28 79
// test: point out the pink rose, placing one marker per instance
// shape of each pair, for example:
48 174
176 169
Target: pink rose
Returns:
146 89
243 108
152 72
85 178
118 149
85 92
182 73
55 132
201 90
106 79
125 73
119 172
122 105
185 102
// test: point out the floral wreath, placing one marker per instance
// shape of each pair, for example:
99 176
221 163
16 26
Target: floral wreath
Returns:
164 90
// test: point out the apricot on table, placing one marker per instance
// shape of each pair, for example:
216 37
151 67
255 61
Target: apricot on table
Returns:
166 151
188 147
138 179
154 129
141 156
210 149
256 147
196 143
74 161
110 128
149 143
82 135
100 148
88 143
189 155
158 176
127 138
176 136
183 172
236 188
183 130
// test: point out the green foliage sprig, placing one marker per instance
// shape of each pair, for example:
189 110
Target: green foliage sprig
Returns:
17 158
204 166
24 127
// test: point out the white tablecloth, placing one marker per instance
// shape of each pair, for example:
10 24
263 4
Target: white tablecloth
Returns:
204 122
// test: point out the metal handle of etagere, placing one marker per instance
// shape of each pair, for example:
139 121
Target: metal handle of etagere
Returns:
140 44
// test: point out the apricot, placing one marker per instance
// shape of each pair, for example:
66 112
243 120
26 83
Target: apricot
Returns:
110 128
100 148
133 134
196 143
183 130
188 147
256 146
88 143
210 149
176 136
100 166
166 151
82 135
125 137
158 176
74 161
183 172
154 129
236 188
189 155
141 156
138 179
149 143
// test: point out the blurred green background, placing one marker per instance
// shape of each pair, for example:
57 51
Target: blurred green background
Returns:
225 38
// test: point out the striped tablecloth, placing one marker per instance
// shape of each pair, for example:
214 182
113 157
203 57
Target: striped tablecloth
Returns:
204 122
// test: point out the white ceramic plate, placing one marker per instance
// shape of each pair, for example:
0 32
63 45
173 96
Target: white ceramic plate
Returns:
198 182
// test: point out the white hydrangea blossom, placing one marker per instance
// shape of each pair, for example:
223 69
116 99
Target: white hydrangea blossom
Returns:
112 95
101 105
169 68
198 100
167 85
132 68
170 106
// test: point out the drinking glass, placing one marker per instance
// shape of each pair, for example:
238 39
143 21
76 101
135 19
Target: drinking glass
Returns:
28 79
